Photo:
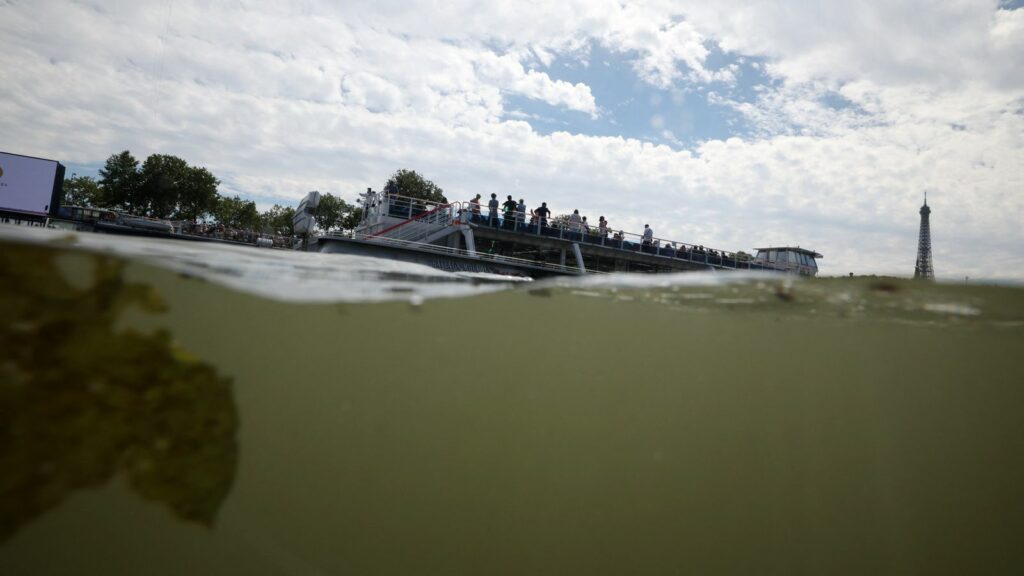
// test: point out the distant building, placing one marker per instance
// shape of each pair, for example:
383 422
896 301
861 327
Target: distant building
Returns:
923 268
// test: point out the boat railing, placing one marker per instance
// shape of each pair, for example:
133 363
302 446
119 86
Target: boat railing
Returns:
406 207
483 256
626 241
460 212
427 219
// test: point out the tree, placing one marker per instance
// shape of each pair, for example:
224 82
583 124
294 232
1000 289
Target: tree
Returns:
198 196
328 212
164 187
119 181
81 191
334 212
560 221
353 218
409 183
236 213
278 220
163 178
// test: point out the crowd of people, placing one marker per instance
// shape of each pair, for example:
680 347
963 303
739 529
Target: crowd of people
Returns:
512 215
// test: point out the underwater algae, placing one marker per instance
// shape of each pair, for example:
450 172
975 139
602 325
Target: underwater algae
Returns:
82 401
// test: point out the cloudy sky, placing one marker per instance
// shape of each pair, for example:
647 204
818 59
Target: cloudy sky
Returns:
733 124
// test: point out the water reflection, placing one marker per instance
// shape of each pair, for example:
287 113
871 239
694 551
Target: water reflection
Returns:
83 400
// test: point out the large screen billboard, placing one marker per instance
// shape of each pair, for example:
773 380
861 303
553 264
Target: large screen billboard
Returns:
30 185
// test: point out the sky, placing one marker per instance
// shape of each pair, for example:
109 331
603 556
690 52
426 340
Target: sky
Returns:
735 124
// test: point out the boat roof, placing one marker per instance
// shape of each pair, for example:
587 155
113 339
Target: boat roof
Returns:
811 253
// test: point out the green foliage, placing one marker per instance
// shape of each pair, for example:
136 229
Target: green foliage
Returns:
352 219
562 220
84 401
164 187
81 191
198 195
328 212
236 213
278 220
334 212
409 183
162 179
120 181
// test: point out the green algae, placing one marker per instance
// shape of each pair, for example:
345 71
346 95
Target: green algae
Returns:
82 400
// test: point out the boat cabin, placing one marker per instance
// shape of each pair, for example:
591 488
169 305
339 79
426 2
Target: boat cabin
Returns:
794 259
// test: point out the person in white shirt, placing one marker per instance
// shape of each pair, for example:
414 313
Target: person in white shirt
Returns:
492 210
648 235
575 223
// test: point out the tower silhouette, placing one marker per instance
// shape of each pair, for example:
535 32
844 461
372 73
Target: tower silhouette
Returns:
923 267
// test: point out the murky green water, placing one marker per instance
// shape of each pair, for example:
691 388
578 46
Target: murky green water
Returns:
154 422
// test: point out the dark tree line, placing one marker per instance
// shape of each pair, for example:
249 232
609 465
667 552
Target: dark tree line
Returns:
167 187
163 186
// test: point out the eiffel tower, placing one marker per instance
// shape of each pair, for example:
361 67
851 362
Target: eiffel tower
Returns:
923 268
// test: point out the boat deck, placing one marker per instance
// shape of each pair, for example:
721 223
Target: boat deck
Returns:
602 253
557 246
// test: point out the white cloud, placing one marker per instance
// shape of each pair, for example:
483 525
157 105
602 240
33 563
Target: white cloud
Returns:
508 73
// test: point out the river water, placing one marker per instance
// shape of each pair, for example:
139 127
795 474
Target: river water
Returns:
174 408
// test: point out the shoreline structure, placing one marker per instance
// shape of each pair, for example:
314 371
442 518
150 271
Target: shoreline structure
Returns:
457 236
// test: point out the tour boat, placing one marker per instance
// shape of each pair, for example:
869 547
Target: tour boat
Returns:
456 236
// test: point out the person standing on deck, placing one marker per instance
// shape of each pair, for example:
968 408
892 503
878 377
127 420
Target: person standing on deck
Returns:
602 227
492 211
520 213
574 221
509 212
648 235
543 212
475 208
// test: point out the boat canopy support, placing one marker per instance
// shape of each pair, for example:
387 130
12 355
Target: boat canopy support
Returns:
579 257
467 234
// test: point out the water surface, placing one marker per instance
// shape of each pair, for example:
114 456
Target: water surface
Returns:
186 408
